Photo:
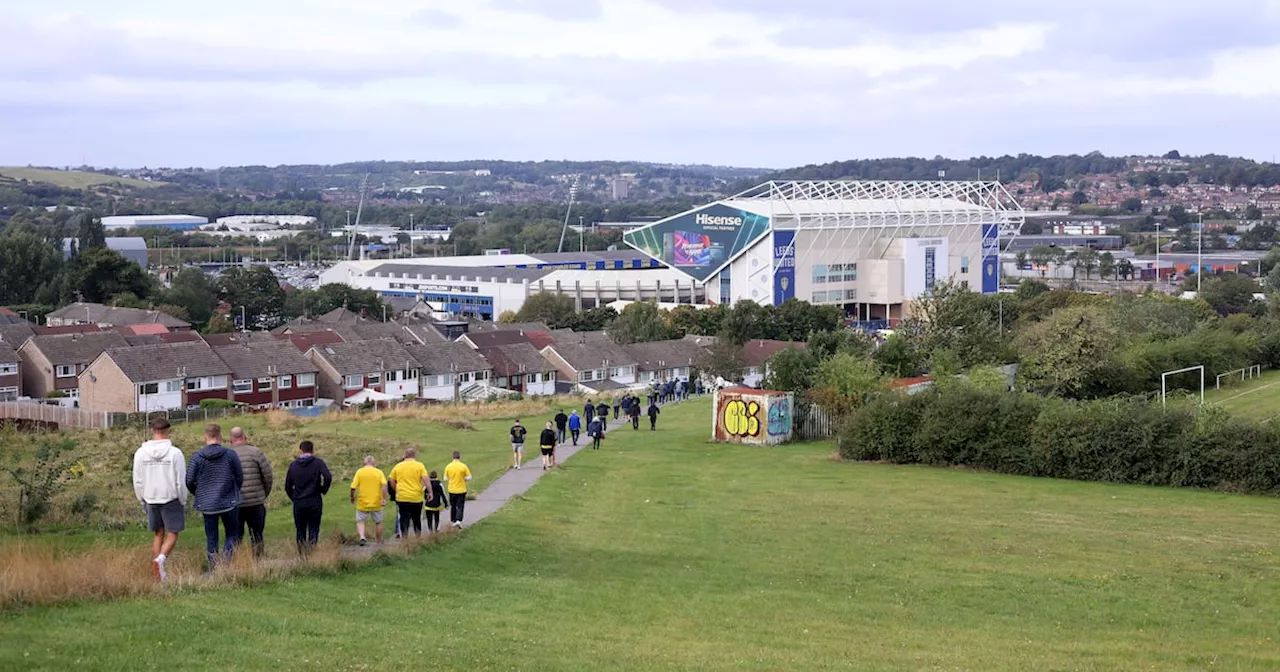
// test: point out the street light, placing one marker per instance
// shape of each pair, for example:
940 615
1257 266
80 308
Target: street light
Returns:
1200 255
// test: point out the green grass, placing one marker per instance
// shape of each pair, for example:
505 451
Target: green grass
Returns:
72 179
666 552
1258 398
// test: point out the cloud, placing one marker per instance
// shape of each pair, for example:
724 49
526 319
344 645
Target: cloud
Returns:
719 81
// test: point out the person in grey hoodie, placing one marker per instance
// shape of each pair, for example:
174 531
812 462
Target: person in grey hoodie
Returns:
158 482
214 477
258 479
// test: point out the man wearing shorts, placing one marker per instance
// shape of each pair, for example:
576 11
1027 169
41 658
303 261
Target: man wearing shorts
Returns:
517 444
547 441
369 494
159 482
409 479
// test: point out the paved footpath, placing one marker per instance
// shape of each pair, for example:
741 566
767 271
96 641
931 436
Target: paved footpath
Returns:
507 486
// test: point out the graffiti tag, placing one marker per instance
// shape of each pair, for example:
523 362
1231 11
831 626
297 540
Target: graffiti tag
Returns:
742 418
780 417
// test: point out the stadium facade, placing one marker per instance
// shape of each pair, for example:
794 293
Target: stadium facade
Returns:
871 247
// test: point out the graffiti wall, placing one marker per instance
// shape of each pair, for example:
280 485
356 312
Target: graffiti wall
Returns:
754 417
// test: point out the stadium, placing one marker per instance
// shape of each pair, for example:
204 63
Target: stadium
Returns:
871 247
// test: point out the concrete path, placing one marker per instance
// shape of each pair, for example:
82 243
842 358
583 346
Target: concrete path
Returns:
507 486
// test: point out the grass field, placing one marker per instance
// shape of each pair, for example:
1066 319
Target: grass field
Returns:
665 552
71 179
1258 398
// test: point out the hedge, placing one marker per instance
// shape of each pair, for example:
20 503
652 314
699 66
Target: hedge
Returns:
1116 440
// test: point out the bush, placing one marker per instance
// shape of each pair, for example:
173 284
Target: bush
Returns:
217 403
84 505
1117 440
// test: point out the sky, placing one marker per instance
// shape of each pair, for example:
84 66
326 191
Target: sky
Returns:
754 83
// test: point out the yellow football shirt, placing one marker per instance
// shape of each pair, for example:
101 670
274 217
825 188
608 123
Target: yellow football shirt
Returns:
369 484
457 474
408 476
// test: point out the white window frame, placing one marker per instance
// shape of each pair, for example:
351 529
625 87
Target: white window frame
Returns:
533 378
265 384
65 371
305 380
5 391
346 382
172 386
391 376
244 386
586 376
285 382
155 389
464 377
8 369
373 378
411 374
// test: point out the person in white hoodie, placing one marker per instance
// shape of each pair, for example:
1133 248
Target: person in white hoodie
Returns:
159 481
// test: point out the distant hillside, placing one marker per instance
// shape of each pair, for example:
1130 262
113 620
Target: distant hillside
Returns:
72 179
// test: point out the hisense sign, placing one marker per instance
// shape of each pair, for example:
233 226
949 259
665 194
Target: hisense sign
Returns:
703 219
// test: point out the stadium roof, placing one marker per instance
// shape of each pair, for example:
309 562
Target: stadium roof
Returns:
960 201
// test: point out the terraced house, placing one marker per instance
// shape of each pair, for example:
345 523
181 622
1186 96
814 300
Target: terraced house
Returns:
269 374
51 364
158 377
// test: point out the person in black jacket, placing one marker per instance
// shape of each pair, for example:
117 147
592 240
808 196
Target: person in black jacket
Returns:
603 411
547 441
653 417
435 502
633 412
562 422
588 411
306 484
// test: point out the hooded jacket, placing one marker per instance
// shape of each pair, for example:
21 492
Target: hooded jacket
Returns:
214 478
575 421
159 473
258 477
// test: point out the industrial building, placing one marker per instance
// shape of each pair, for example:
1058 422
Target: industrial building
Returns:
871 247
485 286
176 222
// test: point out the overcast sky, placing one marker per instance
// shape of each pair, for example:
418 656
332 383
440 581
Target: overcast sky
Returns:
762 83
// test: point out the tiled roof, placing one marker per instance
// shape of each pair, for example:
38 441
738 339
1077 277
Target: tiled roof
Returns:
100 314
167 337
68 349
166 361
489 339
16 334
591 351
515 359
755 353
657 355
366 356
441 358
262 358
9 356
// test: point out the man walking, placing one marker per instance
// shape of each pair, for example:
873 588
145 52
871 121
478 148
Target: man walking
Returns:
159 482
602 411
547 442
369 494
258 479
562 421
517 444
633 412
306 484
575 426
456 476
214 478
653 417
409 480
595 430
589 411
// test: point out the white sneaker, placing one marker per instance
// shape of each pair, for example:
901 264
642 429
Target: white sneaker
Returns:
160 569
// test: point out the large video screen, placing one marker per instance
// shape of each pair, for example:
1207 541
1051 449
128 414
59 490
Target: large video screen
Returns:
700 242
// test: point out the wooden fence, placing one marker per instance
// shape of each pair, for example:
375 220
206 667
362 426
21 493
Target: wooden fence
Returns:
51 416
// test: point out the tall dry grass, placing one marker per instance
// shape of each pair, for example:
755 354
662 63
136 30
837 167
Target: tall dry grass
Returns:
457 415
36 575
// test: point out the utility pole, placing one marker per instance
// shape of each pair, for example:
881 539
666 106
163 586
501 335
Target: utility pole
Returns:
1157 253
1200 255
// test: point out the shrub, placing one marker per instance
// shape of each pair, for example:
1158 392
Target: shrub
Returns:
217 403
38 482
1116 440
84 505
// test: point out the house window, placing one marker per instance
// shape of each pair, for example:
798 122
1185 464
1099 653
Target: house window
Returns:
7 393
411 374
613 372
431 381
242 386
149 388
393 376
73 393
264 384
66 371
964 264
375 378
206 383
8 369
286 382
306 379
532 378
464 377
587 376
354 382
549 377
819 297
171 386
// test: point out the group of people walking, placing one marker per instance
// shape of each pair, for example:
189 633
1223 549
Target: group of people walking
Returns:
230 486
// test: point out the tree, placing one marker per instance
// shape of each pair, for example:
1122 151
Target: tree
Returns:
1132 205
255 293
1086 258
91 234
1079 198
825 344
507 317
1041 255
100 274
1229 293
793 369
26 264
960 321
1178 216
723 360
1124 269
1020 259
899 357
1252 213
1106 264
325 298
640 322
745 321
554 310
219 324
1069 353
195 292
595 319
683 320
845 382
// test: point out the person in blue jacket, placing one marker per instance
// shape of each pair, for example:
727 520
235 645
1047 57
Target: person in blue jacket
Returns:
575 426
214 479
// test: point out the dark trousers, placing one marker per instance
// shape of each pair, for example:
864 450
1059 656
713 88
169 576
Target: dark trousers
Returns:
433 520
231 527
255 519
595 442
560 435
457 503
653 422
575 433
410 516
615 412
306 521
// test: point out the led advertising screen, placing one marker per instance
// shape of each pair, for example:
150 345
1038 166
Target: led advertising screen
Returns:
702 241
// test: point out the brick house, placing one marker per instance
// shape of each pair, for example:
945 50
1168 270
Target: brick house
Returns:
269 373
448 369
53 363
519 367
10 373
382 365
157 377
594 362
660 361
111 316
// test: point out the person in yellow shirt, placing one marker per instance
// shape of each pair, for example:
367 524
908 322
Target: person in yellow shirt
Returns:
369 494
409 480
456 475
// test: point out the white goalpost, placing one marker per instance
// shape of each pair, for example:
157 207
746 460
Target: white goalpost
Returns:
1247 373
1164 377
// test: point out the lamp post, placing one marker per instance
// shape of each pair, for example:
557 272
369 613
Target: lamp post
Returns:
1200 254
1157 253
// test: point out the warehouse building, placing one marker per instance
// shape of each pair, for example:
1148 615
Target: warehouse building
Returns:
176 222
